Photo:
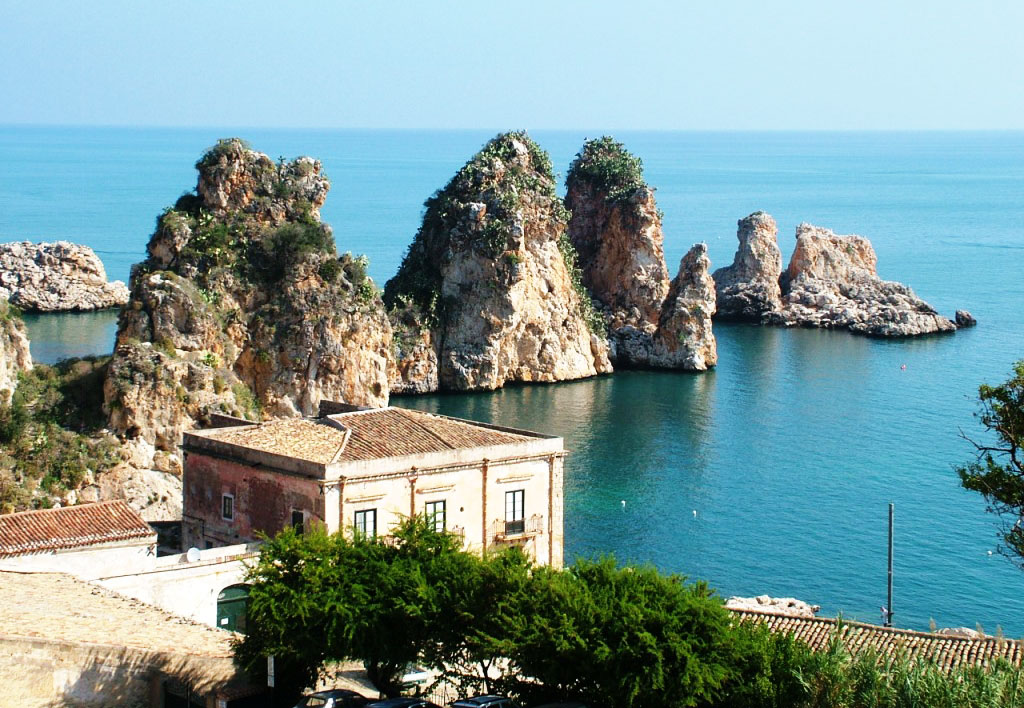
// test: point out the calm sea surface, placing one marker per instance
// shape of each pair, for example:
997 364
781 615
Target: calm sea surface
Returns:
771 474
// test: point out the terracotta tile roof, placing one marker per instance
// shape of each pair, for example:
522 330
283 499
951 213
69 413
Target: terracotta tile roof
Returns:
373 434
294 437
946 651
70 527
393 432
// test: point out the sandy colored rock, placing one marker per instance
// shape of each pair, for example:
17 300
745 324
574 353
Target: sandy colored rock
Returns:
56 277
616 229
15 356
244 308
489 274
749 288
832 282
777 605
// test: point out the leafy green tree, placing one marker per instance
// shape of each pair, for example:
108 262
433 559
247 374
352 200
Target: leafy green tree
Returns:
318 598
623 637
486 601
998 471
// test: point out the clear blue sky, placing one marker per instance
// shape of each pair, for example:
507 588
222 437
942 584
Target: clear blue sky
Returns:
712 64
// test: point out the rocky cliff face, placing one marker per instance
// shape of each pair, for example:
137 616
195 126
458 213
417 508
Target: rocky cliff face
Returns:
832 282
54 277
749 288
14 351
488 292
616 229
243 306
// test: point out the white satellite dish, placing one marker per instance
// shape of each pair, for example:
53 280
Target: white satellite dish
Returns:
192 555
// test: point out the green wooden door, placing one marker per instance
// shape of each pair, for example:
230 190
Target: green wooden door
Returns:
231 604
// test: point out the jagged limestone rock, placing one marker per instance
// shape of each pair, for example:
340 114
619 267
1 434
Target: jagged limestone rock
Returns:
616 229
15 356
243 306
489 287
749 288
56 277
832 282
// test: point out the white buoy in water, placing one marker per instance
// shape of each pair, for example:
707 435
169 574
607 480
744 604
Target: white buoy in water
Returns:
695 513
623 503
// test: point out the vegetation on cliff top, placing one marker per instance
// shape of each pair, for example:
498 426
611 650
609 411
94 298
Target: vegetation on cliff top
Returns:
499 178
606 165
51 435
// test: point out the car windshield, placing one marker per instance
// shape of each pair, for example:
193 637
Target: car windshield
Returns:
315 702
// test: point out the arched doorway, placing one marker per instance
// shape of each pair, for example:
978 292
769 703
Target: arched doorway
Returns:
231 605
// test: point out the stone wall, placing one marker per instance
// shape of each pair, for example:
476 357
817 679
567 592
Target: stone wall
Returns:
38 673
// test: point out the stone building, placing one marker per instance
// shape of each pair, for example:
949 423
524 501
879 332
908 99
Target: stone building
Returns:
362 470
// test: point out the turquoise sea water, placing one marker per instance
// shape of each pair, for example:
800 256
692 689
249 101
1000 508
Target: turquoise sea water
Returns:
789 452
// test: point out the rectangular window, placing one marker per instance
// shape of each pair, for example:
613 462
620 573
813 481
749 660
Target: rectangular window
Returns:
227 507
437 512
514 511
366 523
298 521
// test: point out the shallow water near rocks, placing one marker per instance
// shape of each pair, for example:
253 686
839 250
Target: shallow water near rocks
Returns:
788 452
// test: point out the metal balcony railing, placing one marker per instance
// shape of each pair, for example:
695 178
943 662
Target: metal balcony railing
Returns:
518 528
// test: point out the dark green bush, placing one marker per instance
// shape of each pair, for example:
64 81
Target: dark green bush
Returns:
605 164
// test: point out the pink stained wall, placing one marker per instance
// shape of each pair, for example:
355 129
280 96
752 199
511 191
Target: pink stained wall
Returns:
264 498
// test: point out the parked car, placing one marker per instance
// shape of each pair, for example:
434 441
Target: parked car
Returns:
402 703
415 676
483 702
334 698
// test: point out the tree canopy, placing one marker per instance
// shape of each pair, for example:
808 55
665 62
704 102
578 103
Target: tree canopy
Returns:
998 471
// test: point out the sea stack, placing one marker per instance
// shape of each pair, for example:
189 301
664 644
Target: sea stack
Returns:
56 277
832 282
243 306
616 229
749 288
489 292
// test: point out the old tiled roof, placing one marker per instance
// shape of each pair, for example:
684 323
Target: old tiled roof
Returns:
946 651
374 434
393 432
70 527
293 437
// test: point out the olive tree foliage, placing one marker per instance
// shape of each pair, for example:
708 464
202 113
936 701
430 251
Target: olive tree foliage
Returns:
626 637
998 471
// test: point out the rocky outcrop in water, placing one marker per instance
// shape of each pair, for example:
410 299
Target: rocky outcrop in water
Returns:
15 356
963 319
788 606
616 229
749 288
243 306
56 277
831 282
488 292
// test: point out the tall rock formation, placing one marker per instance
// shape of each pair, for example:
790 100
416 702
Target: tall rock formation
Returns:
243 306
616 229
15 356
56 277
832 281
488 292
749 288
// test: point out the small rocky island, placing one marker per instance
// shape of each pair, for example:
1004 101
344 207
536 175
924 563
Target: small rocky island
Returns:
831 282
615 228
56 277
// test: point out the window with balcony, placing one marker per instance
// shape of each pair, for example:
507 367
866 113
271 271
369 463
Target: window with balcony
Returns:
437 513
515 515
366 523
